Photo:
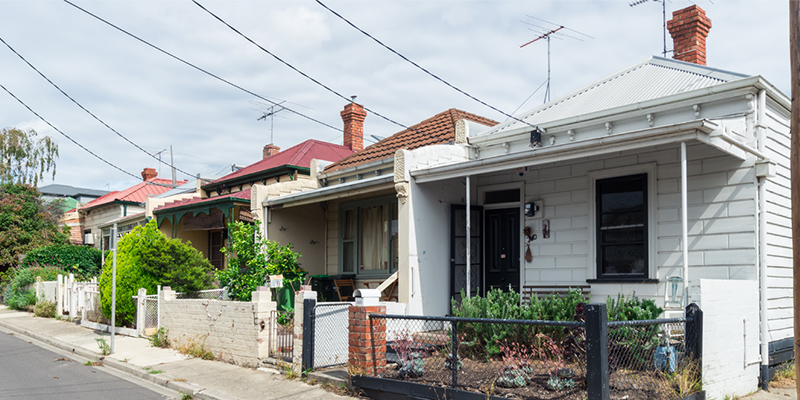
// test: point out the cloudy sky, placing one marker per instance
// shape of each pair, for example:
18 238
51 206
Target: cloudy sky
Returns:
156 101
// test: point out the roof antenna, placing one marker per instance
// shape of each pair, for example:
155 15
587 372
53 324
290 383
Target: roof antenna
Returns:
547 33
271 114
663 18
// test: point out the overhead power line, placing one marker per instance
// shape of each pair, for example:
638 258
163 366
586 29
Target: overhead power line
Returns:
292 67
89 112
198 68
420 67
65 135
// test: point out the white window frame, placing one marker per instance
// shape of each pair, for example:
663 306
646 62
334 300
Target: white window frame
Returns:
652 210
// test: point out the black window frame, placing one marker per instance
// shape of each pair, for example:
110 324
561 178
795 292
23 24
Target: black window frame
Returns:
600 245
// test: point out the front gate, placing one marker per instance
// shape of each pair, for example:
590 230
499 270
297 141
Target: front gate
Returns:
330 324
281 335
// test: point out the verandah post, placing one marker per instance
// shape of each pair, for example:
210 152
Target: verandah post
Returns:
597 385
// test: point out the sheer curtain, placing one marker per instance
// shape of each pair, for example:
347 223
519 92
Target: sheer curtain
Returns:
373 238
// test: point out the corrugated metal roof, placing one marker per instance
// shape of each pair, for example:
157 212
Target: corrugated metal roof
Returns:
136 194
652 79
299 156
244 195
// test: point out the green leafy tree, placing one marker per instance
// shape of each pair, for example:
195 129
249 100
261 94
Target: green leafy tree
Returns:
252 258
24 158
145 259
25 223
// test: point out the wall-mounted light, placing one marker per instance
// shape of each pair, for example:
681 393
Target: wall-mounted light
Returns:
283 228
536 137
313 241
531 209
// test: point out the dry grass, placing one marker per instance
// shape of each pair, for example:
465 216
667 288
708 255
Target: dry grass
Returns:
784 377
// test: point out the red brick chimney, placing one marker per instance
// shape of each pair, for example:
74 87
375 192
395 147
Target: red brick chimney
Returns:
149 173
353 116
270 150
689 29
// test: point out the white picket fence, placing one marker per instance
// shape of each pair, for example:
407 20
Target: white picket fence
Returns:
73 299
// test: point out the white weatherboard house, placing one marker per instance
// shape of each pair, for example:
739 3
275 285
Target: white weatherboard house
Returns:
666 169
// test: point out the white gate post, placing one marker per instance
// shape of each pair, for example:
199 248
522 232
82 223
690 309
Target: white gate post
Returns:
158 307
73 309
141 311
60 295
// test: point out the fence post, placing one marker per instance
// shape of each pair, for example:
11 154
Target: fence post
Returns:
309 314
597 352
367 341
454 355
694 332
73 312
141 311
158 307
60 295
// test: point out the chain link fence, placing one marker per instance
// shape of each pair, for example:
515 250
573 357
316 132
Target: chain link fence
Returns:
331 323
649 359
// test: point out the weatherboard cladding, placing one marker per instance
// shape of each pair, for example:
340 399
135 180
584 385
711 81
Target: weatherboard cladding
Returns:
135 194
435 130
652 79
297 156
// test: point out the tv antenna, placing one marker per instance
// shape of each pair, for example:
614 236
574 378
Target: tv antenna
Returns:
663 18
271 115
548 33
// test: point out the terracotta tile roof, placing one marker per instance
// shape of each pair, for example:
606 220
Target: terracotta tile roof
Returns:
135 194
243 195
441 128
298 156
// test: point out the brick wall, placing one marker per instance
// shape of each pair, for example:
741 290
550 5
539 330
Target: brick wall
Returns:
234 331
367 340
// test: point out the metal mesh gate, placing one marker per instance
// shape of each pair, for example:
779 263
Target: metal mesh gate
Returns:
330 334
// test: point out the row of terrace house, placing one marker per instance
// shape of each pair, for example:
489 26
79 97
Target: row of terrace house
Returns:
662 180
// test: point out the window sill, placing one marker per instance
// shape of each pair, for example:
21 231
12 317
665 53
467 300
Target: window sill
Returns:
622 280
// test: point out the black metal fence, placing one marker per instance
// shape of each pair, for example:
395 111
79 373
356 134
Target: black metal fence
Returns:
594 359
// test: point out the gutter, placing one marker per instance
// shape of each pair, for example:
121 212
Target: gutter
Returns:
649 137
756 82
330 192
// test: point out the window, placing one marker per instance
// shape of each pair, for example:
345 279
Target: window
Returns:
621 227
368 237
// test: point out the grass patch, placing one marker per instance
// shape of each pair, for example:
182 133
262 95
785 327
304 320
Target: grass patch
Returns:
784 377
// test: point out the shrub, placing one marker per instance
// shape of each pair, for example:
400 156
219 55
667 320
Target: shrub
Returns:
45 309
18 296
145 259
253 258
83 261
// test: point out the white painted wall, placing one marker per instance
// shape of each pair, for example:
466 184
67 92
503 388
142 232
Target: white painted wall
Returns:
779 225
731 363
721 218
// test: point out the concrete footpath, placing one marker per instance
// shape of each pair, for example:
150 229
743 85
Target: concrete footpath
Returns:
212 380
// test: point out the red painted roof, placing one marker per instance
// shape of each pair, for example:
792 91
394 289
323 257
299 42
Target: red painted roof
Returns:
441 128
299 156
136 194
243 195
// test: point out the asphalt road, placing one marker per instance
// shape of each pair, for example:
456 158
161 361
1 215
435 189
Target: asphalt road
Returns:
38 371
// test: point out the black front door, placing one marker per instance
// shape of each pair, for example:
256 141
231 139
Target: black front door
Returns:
502 248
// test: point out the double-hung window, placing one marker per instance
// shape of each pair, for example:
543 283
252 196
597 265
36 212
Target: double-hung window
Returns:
368 237
621 227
